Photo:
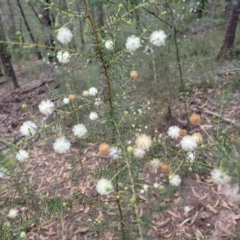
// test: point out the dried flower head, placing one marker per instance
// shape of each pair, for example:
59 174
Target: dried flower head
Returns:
104 148
71 97
182 133
138 153
85 93
198 137
134 74
143 142
165 168
195 119
155 163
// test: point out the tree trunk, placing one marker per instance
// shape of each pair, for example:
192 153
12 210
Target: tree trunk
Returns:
231 29
10 18
201 8
6 58
28 28
47 25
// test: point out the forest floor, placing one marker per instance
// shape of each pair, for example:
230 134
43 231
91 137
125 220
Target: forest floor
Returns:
214 211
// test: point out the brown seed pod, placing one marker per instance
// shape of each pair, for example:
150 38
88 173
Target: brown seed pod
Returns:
195 119
165 168
134 74
182 133
71 97
104 148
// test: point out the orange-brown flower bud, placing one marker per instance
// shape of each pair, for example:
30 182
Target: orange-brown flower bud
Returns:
104 148
195 119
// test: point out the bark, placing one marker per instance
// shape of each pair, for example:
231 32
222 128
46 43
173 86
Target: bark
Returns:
47 23
231 29
28 28
10 18
201 8
6 58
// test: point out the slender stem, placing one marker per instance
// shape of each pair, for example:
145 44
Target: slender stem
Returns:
128 156
110 101
88 16
154 67
183 88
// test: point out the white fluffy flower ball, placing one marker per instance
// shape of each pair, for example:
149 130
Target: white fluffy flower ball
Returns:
173 132
92 91
109 44
66 100
28 128
115 152
64 35
22 155
143 142
63 56
175 180
220 177
188 143
12 213
158 38
191 157
155 185
46 107
98 101
145 187
61 145
93 116
104 186
79 130
133 43
187 209
138 153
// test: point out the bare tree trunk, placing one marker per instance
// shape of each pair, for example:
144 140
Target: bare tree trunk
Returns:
231 29
201 8
6 58
10 18
28 28
47 24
